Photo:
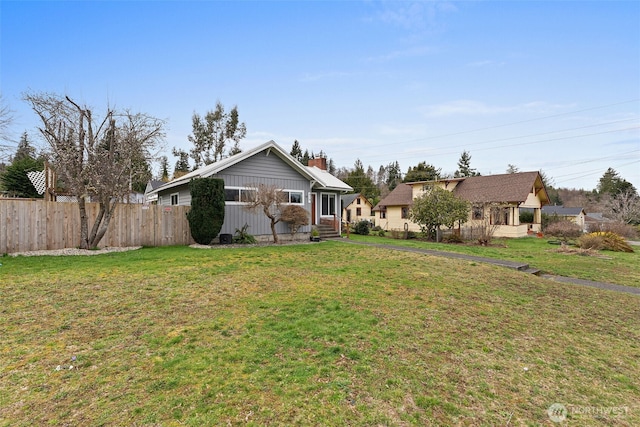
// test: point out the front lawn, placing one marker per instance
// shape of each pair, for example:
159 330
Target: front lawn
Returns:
610 267
322 334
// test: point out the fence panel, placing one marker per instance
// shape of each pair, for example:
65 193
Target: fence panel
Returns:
29 225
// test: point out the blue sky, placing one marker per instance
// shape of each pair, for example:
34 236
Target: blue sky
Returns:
552 86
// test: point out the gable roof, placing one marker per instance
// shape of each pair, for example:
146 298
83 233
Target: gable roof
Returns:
562 211
326 180
322 178
347 199
152 184
402 195
509 187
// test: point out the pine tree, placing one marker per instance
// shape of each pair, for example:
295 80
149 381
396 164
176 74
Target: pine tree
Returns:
464 166
296 151
164 169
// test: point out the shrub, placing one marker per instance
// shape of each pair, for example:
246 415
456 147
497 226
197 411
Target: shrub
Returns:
362 227
591 241
381 233
564 230
207 209
620 228
526 217
610 241
243 237
452 238
295 216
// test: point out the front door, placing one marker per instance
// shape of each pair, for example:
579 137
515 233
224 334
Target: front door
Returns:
313 209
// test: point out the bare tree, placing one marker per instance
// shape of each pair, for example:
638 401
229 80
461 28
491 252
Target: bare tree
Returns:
269 199
624 207
94 157
6 118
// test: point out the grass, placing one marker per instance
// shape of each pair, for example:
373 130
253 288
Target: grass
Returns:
610 267
323 334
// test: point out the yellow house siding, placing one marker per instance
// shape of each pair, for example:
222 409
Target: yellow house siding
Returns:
365 210
394 220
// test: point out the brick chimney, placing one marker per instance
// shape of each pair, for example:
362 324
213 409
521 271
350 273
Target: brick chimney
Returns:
320 163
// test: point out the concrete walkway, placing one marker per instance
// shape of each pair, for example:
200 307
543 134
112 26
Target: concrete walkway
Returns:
525 268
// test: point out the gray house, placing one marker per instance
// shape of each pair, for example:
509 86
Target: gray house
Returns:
311 187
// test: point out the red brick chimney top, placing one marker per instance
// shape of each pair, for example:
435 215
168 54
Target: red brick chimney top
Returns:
319 162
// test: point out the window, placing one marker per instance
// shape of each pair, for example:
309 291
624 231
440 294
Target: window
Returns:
238 195
383 214
358 201
405 213
174 199
328 204
478 212
499 216
358 211
293 197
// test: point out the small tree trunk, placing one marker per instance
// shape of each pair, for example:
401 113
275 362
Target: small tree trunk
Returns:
273 230
84 227
103 226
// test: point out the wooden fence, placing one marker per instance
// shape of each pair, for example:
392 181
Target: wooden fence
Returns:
30 225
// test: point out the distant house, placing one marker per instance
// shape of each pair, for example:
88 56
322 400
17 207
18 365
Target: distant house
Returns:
310 187
575 215
594 221
355 208
495 199
149 195
392 212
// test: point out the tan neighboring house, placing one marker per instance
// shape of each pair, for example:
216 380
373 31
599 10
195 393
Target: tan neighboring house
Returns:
495 199
355 208
576 215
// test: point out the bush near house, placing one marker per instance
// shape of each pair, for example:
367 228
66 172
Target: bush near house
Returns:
564 230
295 216
207 209
362 227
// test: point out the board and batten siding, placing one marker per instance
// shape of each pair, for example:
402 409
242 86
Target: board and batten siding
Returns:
258 169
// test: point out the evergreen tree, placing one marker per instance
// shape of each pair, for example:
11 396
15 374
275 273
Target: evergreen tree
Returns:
464 166
207 209
164 169
360 182
613 184
296 151
422 172
25 149
15 180
512 168
182 164
305 158
394 175
212 134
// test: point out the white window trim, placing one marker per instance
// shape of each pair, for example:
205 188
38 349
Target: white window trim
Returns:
239 196
335 207
177 199
288 202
